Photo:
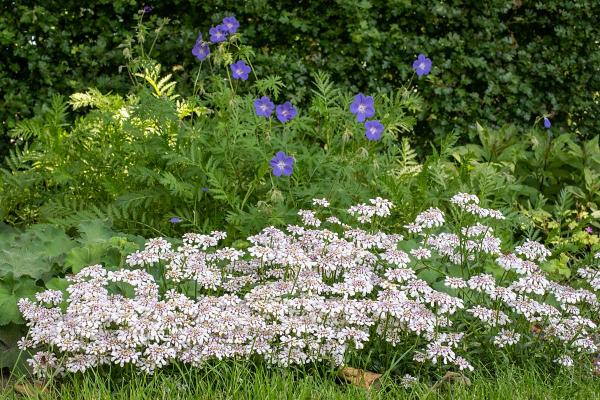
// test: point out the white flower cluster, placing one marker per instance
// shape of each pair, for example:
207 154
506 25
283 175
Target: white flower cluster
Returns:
308 295
470 203
431 218
533 251
321 202
364 213
309 218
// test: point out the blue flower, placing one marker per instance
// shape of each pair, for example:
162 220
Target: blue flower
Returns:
147 9
218 34
547 123
422 65
231 24
175 220
204 189
200 49
264 107
373 129
282 164
363 107
240 70
285 112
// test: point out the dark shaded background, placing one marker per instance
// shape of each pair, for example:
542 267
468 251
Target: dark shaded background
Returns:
493 62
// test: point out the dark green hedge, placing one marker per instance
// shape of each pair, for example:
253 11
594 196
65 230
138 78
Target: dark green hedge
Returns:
493 61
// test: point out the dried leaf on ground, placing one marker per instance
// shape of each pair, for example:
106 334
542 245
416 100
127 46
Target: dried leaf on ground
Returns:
360 377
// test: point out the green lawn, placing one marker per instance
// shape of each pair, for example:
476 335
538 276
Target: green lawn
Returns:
237 381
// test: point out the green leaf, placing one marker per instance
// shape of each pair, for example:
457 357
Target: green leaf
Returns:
9 336
33 252
20 262
57 283
94 231
429 275
102 253
10 293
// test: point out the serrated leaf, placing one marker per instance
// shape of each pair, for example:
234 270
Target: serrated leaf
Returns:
33 252
94 231
22 262
55 241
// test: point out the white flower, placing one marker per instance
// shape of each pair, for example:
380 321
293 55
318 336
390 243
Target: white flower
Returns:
421 253
309 218
382 206
463 364
433 217
564 360
408 381
400 275
534 283
533 251
395 257
506 337
414 228
477 230
482 283
455 283
321 202
436 351
489 316
462 199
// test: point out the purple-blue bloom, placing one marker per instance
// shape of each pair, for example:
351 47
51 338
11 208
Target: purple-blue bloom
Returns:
231 24
175 220
285 112
282 164
547 123
373 129
218 34
363 107
422 65
264 107
240 70
147 9
204 189
200 49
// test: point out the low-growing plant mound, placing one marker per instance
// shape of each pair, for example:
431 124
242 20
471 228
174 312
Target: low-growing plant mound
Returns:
445 298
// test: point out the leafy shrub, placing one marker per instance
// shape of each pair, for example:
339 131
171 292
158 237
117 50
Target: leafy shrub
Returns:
555 181
154 157
39 257
546 163
325 292
496 62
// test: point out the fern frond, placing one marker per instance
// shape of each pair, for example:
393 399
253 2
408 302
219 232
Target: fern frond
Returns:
163 87
271 84
94 98
407 163
325 91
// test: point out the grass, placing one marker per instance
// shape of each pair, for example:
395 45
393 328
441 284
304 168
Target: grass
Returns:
237 380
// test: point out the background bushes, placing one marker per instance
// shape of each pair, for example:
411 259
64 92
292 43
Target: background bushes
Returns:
493 62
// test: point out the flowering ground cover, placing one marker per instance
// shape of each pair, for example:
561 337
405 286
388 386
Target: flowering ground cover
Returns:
307 245
323 292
